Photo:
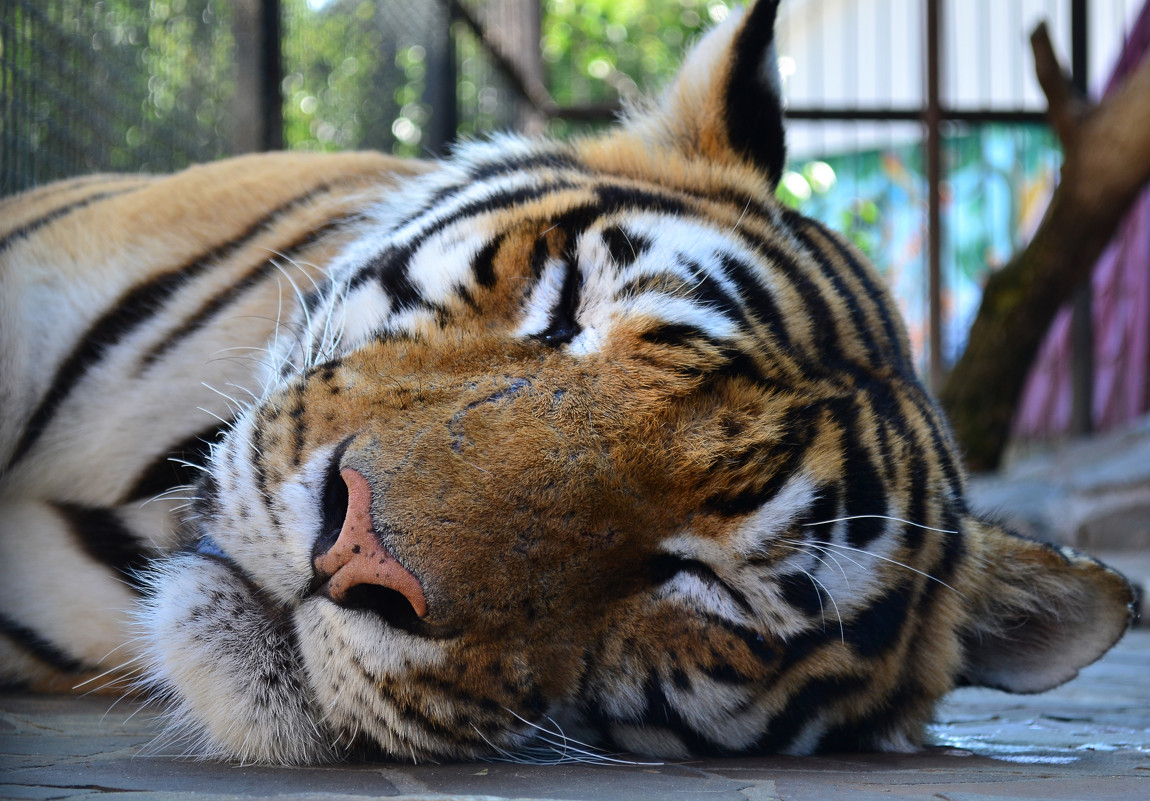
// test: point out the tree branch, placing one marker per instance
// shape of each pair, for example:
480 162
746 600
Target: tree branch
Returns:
1106 162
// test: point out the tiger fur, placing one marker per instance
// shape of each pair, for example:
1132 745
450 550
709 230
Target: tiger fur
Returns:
345 454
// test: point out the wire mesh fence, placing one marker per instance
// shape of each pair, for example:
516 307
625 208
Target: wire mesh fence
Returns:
367 74
154 85
115 85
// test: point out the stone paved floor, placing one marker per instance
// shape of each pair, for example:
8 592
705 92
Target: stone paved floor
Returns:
1087 740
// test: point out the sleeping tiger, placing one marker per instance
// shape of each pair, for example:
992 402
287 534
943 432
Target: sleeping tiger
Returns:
348 455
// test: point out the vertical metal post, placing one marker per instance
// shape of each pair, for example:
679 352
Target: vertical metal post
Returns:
257 106
1082 318
441 82
271 76
933 124
520 26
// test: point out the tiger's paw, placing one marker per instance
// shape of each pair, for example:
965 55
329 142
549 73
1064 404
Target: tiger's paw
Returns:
222 660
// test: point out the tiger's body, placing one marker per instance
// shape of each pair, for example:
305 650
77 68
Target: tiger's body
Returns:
592 432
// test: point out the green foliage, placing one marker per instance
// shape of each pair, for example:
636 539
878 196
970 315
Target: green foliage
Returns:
113 85
148 84
330 57
356 74
597 50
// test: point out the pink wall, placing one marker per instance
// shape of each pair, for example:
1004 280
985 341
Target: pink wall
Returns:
1121 313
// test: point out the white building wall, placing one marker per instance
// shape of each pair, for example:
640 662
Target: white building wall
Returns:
871 54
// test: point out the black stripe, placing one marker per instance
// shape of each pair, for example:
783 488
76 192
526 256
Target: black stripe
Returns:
780 458
299 429
214 305
623 246
953 552
494 202
759 299
138 305
803 707
739 364
256 451
615 197
876 629
864 491
167 471
941 439
673 334
816 310
708 290
834 276
562 326
390 269
914 536
548 160
104 537
815 523
885 717
661 713
663 567
540 255
39 647
864 276
29 228
483 172
483 265
753 112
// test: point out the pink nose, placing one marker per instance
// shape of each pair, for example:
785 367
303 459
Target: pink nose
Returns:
357 557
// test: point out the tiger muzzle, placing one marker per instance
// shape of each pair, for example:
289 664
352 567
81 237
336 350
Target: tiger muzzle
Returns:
357 564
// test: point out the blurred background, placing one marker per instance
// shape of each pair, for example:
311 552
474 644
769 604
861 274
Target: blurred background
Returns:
916 125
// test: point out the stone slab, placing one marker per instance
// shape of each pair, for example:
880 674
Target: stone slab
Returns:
1089 739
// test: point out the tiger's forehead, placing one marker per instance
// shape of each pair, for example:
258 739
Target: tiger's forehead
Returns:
554 244
509 179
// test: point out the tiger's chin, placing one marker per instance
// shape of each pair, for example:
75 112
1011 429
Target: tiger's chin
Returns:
222 661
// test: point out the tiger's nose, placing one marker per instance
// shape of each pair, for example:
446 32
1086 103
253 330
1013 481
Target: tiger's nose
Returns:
357 557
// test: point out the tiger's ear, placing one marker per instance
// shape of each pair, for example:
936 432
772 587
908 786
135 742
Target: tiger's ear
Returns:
1038 613
725 104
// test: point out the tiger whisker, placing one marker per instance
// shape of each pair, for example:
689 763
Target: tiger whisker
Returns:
831 598
170 495
893 562
822 546
299 265
231 401
241 360
879 517
243 389
821 560
213 414
566 742
506 754
308 354
186 463
274 347
106 673
739 221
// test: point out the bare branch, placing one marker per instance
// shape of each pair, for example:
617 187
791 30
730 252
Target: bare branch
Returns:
1067 106
1106 163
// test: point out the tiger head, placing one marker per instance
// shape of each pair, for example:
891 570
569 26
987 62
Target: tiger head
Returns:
599 436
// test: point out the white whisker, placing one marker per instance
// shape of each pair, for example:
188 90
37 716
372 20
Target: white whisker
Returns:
213 414
891 561
879 517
